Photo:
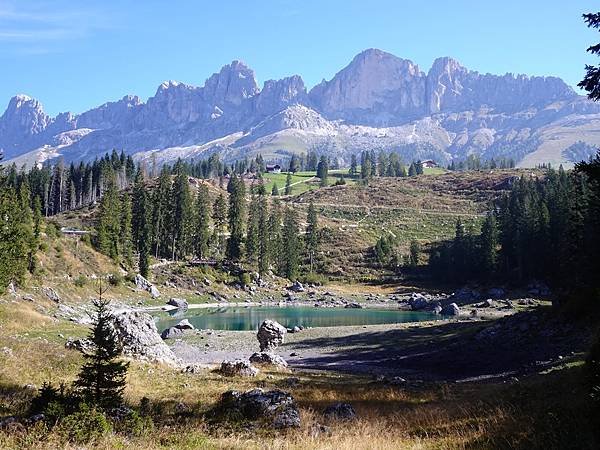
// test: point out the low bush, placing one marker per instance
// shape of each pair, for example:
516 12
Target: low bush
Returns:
80 281
115 279
314 278
83 427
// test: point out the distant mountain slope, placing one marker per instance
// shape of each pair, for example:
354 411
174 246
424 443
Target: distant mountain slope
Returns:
378 101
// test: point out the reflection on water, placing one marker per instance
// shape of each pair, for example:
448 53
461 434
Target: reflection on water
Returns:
250 317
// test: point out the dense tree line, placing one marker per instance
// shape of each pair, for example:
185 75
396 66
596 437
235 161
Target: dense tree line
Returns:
167 219
473 162
545 228
383 164
63 188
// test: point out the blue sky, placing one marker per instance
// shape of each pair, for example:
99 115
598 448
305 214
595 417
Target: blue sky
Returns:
73 55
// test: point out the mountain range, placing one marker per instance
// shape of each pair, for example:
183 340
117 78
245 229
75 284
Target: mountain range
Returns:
378 101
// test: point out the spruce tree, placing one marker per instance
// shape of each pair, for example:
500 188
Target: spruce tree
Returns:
275 190
252 231
415 252
291 244
236 213
108 225
160 213
37 229
591 81
323 170
312 235
275 247
219 217
101 380
489 245
180 219
125 237
202 232
353 165
262 231
288 184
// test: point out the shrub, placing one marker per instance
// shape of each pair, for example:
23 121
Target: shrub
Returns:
314 278
86 239
115 279
134 424
245 279
84 426
80 281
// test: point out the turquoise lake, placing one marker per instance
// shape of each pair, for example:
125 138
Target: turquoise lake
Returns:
250 317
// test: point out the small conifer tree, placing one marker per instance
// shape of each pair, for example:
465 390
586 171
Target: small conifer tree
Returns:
101 381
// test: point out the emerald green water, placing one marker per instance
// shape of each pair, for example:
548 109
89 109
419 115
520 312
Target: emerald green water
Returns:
250 317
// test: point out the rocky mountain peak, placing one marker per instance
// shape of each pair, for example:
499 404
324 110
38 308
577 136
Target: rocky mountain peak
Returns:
23 120
376 82
234 83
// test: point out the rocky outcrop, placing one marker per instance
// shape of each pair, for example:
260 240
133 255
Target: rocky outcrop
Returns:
139 338
270 335
274 408
238 368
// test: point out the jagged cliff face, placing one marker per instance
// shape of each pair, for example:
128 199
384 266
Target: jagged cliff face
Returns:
375 88
377 101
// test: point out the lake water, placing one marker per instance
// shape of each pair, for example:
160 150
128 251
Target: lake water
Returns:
250 317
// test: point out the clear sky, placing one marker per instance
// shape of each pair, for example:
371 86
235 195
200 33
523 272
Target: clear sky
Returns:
74 55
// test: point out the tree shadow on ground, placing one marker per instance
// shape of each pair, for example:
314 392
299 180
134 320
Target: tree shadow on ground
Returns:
449 351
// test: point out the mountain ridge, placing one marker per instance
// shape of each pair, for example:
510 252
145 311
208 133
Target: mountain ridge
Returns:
378 101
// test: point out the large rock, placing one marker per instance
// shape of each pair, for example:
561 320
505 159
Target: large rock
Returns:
451 310
418 302
340 411
267 358
144 284
171 332
185 325
137 334
297 287
270 335
52 294
274 408
238 368
178 303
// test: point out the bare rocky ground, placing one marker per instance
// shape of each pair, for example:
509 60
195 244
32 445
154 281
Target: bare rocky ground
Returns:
460 349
